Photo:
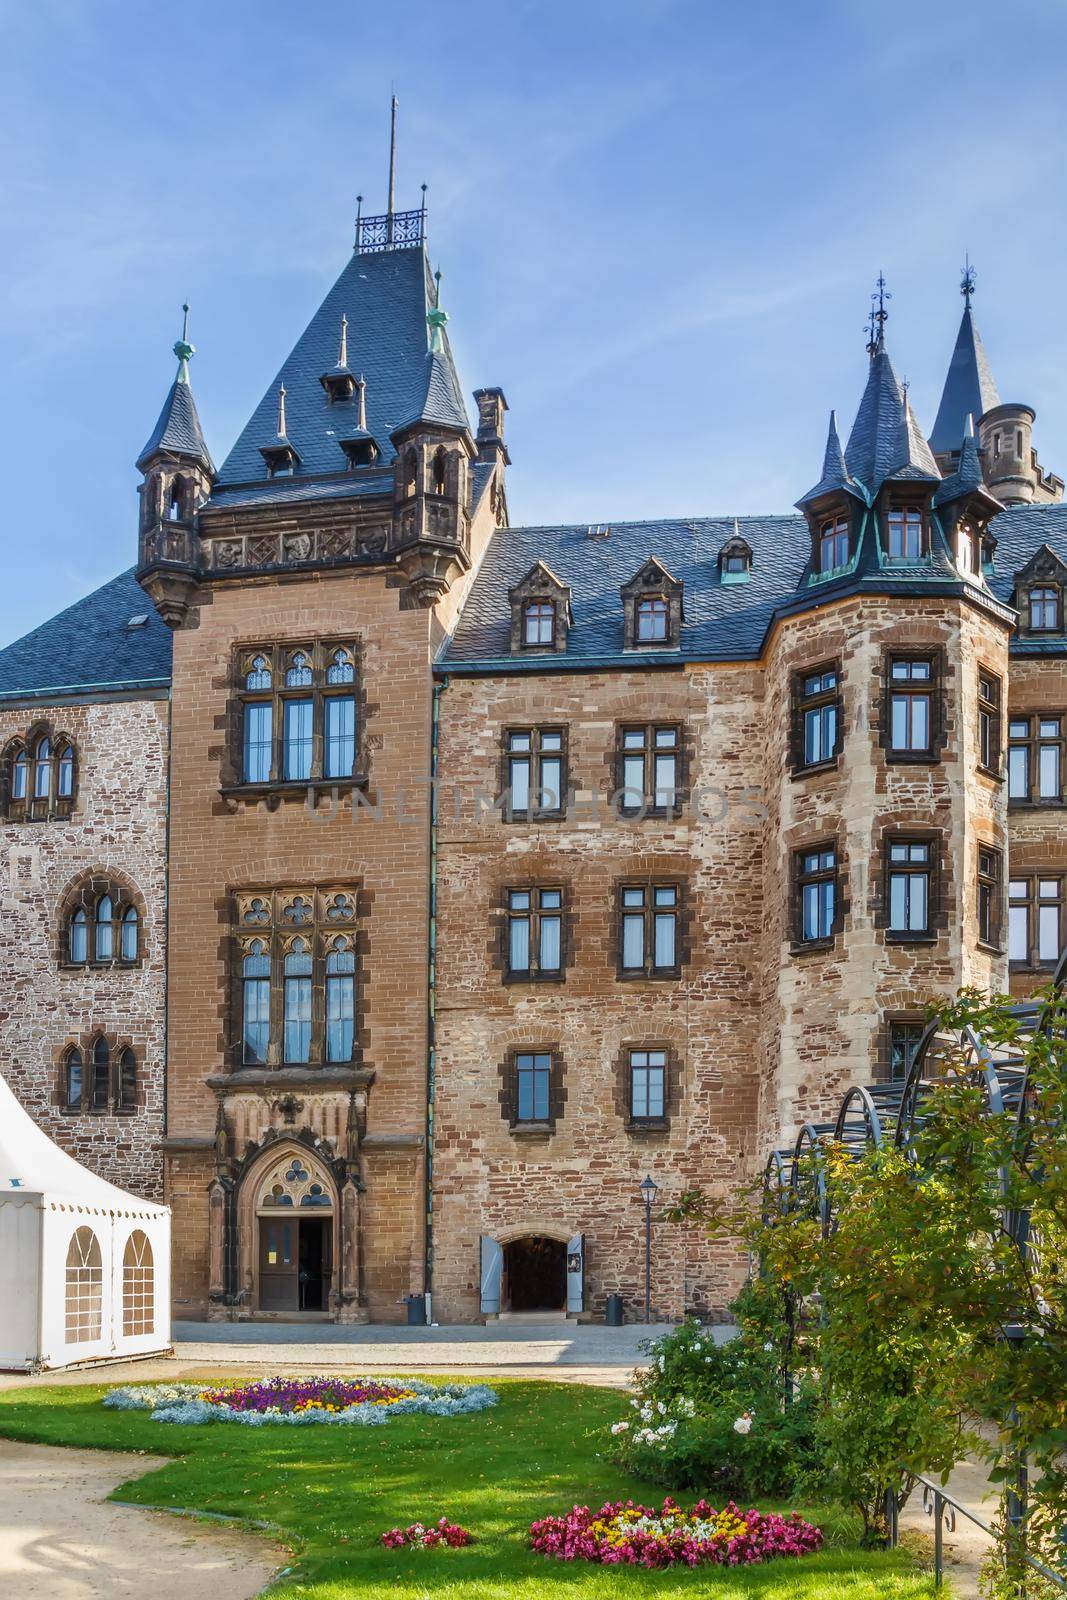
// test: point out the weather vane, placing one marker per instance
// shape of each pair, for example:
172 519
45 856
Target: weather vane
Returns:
967 282
874 327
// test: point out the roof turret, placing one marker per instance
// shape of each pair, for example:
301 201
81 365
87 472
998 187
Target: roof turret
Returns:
835 473
177 431
969 389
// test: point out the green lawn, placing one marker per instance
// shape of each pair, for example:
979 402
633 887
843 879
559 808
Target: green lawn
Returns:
329 1492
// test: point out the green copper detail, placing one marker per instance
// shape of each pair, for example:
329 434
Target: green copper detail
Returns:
436 319
183 349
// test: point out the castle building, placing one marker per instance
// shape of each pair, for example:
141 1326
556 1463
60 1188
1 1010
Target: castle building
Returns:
392 889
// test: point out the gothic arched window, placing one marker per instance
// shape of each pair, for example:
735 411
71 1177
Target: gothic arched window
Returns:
130 927
342 668
255 984
340 1000
78 939
39 775
101 1083
174 503
127 1081
73 1080
440 471
103 929
298 675
297 987
258 675
411 474
84 1288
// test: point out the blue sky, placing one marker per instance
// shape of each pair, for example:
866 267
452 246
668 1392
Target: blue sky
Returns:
659 222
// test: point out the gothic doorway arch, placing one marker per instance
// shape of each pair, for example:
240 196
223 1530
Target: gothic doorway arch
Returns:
288 1226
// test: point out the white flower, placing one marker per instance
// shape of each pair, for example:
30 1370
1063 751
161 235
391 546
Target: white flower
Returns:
662 1362
687 1408
636 1404
661 1408
620 1427
708 1360
743 1423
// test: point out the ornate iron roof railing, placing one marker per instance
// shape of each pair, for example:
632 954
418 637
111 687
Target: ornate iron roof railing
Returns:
396 230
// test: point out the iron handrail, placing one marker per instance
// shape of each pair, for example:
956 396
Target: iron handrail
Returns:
936 1500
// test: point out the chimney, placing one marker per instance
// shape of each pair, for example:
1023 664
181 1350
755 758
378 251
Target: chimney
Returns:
490 439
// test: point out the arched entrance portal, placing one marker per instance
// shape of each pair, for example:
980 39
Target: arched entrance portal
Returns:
535 1274
294 1236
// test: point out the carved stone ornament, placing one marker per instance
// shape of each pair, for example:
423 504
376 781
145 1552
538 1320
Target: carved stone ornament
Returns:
296 547
263 552
229 553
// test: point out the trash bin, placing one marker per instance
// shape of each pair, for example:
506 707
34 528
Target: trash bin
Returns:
613 1311
416 1304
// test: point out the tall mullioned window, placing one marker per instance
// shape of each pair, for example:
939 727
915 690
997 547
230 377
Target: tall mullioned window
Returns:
535 933
1035 919
989 896
533 1075
989 723
538 623
38 776
103 928
817 897
909 881
534 774
648 760
816 717
648 1085
1043 610
297 714
911 706
295 977
1035 759
833 544
904 534
649 930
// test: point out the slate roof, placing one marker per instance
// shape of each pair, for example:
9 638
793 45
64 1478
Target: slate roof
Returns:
385 296
886 442
90 647
178 427
969 389
835 474
723 622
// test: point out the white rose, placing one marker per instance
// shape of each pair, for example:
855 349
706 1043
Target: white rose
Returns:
661 1408
620 1427
743 1423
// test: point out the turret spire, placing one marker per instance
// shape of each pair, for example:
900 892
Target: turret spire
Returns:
969 386
177 431
183 349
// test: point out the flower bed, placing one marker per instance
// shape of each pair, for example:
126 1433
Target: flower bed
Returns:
300 1401
622 1533
416 1536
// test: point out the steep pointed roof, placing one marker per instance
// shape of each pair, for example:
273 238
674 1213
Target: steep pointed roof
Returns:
886 441
969 388
967 478
385 296
835 474
178 431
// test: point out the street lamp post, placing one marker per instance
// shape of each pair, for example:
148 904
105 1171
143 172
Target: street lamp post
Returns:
649 1190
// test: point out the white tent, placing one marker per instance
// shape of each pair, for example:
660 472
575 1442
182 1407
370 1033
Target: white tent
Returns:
84 1266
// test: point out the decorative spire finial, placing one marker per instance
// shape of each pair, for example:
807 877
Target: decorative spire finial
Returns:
183 349
967 281
879 316
281 411
342 353
361 393
435 316
392 157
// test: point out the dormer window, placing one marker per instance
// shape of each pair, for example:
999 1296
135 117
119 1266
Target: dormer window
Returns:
833 544
538 622
735 561
1044 610
905 534
540 611
653 620
969 550
360 452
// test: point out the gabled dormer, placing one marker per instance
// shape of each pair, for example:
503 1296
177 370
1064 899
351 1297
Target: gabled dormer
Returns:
652 608
1039 592
735 560
540 612
833 510
359 446
340 381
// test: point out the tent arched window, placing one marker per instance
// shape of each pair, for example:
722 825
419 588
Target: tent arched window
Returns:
104 925
19 771
104 935
39 776
138 1286
42 769
84 1303
65 772
130 924
78 938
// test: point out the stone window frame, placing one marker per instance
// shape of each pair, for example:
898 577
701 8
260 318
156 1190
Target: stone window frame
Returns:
799 878
652 581
534 974
936 655
649 883
508 1095
682 756
1031 902
802 703
540 584
275 916
53 807
990 723
1033 742
86 895
937 911
989 890
121 1056
672 1087
890 1020
279 654
536 733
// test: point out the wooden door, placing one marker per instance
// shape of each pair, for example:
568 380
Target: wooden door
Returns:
279 1288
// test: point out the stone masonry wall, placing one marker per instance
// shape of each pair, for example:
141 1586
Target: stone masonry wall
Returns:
117 830
1036 832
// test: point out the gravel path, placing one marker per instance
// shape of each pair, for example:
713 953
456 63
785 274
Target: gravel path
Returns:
61 1539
